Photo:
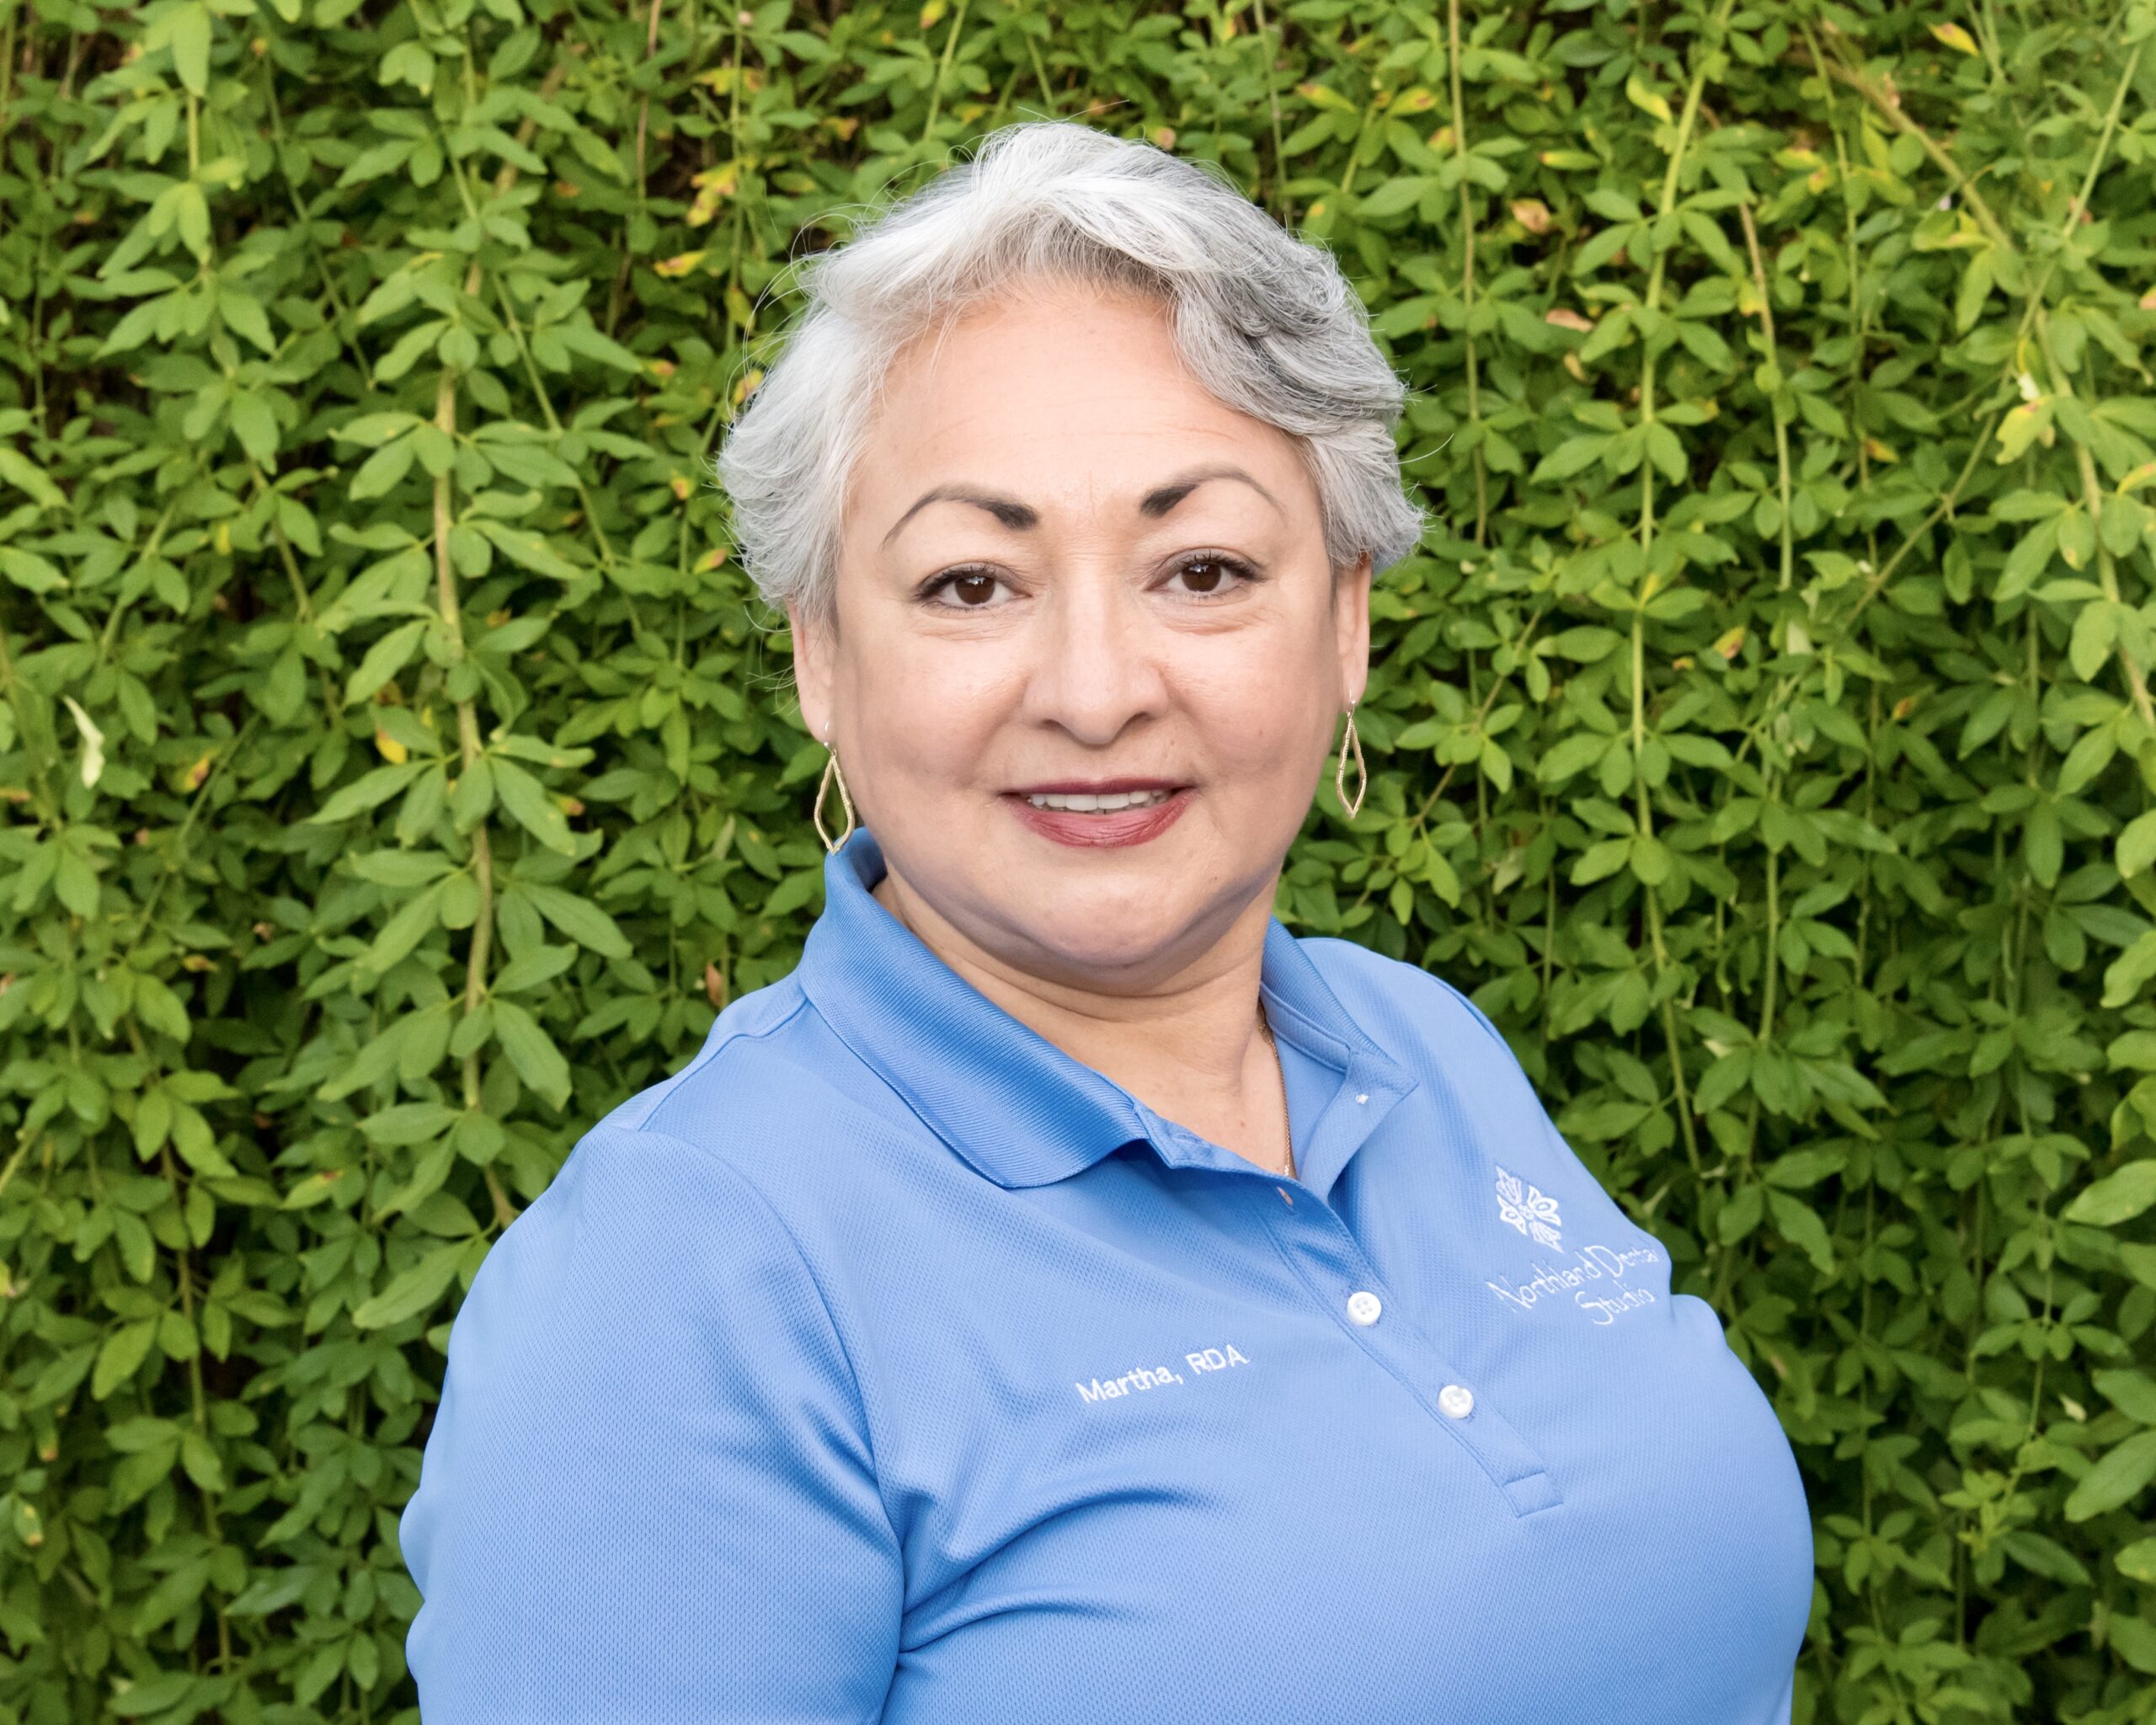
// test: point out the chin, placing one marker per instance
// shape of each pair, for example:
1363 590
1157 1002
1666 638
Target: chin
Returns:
1121 923
1108 942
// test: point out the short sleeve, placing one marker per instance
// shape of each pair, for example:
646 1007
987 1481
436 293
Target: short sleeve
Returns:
649 1496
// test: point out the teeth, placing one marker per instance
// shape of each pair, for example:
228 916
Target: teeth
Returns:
1083 803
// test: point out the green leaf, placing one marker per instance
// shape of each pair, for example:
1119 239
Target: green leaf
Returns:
189 34
121 1356
256 426
1395 197
2116 1480
1667 453
2137 845
1574 753
20 472
377 787
2133 1393
1601 860
579 919
384 660
380 472
583 339
1801 1169
418 1288
1800 1225
528 548
29 571
2117 1197
415 919
531 1051
1569 458
534 809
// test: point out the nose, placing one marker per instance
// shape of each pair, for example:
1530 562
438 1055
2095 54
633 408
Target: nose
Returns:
1095 667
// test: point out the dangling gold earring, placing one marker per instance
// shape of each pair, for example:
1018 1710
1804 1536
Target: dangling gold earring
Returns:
1348 740
832 775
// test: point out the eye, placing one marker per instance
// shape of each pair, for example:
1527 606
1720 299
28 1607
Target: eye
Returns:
1211 572
962 589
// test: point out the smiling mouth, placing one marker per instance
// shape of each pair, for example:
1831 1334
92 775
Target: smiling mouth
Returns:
1108 814
1096 803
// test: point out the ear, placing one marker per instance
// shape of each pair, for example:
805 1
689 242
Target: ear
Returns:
1351 625
812 670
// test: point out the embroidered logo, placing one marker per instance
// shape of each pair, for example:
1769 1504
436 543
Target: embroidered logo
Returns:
1527 1209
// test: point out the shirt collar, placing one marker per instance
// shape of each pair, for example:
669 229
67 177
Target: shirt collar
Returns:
1015 1106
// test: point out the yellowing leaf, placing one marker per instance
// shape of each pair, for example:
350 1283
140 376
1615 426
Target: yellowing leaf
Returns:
1637 88
1954 37
392 750
92 742
2017 431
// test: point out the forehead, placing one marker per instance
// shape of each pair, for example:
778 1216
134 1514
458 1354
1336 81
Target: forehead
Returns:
1067 390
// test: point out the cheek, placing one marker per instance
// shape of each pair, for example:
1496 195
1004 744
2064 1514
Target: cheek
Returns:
1261 721
922 714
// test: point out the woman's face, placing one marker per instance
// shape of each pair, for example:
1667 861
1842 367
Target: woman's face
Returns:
1088 655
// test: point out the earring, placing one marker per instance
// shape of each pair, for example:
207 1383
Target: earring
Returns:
1348 740
832 774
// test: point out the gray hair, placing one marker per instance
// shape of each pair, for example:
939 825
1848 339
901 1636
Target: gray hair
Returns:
1265 324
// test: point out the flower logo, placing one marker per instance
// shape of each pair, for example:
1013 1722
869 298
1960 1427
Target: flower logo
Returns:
1527 1209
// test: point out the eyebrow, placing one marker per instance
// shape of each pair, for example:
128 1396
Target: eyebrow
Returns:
1021 516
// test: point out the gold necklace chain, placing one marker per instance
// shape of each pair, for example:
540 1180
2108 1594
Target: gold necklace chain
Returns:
1280 1071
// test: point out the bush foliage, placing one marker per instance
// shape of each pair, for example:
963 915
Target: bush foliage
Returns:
397 773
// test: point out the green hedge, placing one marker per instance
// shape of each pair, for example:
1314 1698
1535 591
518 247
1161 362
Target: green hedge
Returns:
397 773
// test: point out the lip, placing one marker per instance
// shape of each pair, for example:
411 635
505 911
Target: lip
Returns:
1099 832
1094 787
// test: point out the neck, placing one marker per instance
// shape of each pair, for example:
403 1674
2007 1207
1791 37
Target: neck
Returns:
1187 1045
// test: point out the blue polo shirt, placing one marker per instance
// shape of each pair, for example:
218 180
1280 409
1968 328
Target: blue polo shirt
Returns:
886 1364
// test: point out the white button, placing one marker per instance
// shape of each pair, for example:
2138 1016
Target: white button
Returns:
1457 1400
1364 1097
1363 1306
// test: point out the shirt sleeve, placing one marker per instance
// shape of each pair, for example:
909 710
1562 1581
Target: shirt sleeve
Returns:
649 1496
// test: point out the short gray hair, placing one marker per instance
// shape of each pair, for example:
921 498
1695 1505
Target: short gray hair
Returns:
1266 323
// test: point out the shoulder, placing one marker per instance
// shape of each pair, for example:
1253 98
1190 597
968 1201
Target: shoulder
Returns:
758 1035
666 1211
772 1132
1401 1007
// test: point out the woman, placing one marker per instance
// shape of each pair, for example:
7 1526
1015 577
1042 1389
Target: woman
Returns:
1069 1294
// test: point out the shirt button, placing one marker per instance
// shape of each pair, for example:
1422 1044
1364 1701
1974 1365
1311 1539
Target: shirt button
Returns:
1457 1400
1363 1306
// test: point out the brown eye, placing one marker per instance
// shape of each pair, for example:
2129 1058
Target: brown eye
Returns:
1207 575
975 589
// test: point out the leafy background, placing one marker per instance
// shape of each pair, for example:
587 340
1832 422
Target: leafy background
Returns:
397 773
